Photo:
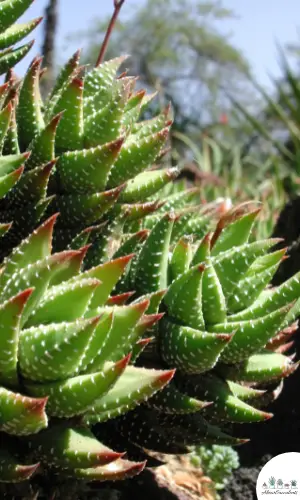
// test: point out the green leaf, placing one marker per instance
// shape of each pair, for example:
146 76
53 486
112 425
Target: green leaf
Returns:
53 352
275 298
108 274
152 265
36 276
32 187
105 125
148 127
122 335
5 117
88 208
96 342
213 300
34 248
181 258
10 163
251 286
66 74
250 336
72 448
260 368
136 156
119 470
134 387
4 228
11 58
25 220
69 133
184 297
98 83
65 302
42 147
244 392
29 111
11 10
8 181
147 184
10 315
13 472
87 170
190 350
226 405
231 265
75 395
235 233
171 400
21 415
203 251
17 32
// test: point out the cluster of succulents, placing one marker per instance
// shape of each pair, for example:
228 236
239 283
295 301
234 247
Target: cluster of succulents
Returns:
218 463
134 294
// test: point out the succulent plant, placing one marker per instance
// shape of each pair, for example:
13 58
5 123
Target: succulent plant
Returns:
47 298
59 358
12 33
134 288
224 330
218 463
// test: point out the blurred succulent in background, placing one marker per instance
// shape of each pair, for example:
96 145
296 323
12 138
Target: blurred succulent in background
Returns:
277 128
217 462
226 170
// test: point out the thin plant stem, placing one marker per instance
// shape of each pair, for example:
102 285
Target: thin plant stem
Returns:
117 7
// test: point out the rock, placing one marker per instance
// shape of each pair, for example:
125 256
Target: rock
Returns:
176 480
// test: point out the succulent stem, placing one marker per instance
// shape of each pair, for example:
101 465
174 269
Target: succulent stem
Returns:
117 7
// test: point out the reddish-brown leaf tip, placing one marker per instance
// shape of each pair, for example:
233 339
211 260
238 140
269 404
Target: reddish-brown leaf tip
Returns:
26 471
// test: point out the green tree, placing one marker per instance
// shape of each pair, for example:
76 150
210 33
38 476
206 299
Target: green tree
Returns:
180 49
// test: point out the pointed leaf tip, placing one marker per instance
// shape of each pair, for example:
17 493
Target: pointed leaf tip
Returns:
142 306
143 234
165 377
119 299
268 416
35 63
17 173
290 369
26 155
22 297
225 336
55 120
150 319
145 342
121 365
36 406
83 250
77 82
242 441
123 261
138 468
48 226
26 471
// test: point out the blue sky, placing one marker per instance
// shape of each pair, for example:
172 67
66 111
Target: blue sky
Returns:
259 24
